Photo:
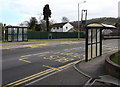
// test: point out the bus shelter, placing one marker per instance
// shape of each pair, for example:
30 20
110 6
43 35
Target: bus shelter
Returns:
94 39
16 33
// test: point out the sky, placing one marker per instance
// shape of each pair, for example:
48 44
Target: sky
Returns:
14 12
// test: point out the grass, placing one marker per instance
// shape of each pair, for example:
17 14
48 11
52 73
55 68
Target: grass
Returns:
3 41
66 39
116 58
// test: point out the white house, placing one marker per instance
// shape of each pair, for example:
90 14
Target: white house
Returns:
62 27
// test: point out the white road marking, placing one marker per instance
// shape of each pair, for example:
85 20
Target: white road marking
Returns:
34 54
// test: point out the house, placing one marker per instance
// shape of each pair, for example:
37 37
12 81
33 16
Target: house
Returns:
62 27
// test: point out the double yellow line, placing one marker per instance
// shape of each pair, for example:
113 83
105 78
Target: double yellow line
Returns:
32 77
29 78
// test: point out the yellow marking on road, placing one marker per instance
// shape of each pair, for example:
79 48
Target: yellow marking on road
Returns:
34 77
64 59
31 46
35 45
23 59
70 54
42 73
69 42
28 77
58 59
51 67
43 44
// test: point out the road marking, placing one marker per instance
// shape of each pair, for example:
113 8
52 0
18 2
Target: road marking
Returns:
54 57
62 68
58 58
26 55
35 54
31 46
35 45
24 59
51 67
42 73
70 42
43 44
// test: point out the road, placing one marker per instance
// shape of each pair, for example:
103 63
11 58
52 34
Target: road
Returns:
23 65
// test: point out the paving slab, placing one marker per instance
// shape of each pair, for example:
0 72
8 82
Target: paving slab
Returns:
66 77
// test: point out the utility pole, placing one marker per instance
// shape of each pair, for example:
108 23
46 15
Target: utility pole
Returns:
79 19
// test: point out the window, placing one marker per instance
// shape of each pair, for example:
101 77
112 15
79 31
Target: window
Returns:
66 27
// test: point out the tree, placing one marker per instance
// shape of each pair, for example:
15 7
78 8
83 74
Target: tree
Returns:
47 14
43 25
25 23
38 27
32 23
65 19
1 25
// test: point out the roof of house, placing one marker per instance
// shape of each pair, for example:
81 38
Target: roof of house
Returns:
58 24
61 24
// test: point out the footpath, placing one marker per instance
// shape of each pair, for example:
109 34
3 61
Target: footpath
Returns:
85 74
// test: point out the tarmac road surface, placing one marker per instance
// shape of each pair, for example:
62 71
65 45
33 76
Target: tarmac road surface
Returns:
23 65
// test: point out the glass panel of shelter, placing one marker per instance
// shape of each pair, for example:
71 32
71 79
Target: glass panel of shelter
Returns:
10 33
15 36
98 42
20 34
89 43
25 34
93 43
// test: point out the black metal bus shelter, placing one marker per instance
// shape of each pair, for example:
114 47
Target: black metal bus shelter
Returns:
16 33
94 39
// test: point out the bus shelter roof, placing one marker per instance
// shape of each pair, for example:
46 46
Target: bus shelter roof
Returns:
100 26
16 27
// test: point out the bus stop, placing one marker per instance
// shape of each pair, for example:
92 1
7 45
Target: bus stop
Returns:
16 33
94 39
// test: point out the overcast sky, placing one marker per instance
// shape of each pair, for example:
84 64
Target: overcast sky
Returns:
16 11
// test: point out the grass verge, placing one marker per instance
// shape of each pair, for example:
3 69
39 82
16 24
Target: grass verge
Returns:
3 41
66 39
116 58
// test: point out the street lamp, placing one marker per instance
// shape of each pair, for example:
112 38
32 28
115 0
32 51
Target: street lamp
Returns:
79 18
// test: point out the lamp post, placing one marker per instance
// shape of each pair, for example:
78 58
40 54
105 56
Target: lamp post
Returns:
79 18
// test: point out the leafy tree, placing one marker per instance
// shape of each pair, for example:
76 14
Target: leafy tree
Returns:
32 23
38 27
47 14
65 19
25 23
43 25
1 25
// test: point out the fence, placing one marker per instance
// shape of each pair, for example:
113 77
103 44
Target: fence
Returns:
53 35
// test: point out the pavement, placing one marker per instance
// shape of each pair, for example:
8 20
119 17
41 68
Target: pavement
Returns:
85 74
